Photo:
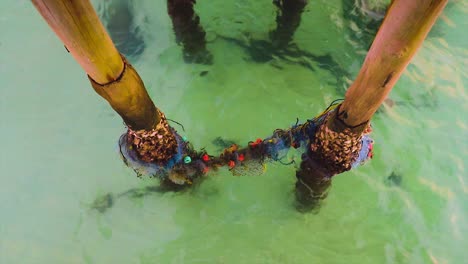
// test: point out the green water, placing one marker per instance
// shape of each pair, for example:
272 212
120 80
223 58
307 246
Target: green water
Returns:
59 149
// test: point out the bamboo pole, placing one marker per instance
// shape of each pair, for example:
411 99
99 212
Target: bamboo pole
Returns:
338 141
401 34
78 26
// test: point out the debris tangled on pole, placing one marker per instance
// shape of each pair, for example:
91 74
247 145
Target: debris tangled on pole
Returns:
183 165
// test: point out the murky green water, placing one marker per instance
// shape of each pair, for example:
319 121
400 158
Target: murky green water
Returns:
408 205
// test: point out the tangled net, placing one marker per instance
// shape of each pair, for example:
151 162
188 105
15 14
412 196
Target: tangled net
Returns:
188 165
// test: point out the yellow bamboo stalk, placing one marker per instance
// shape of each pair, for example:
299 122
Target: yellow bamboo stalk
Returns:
402 32
78 26
337 143
76 23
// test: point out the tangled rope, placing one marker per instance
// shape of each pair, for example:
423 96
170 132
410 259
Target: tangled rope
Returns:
187 165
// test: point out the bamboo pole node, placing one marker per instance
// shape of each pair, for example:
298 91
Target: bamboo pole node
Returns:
128 97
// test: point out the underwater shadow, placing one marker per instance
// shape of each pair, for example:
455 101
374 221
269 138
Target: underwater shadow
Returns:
118 17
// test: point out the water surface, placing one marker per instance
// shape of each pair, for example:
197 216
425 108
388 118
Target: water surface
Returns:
408 205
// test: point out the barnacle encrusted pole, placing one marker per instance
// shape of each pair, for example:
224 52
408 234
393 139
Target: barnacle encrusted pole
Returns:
338 141
79 28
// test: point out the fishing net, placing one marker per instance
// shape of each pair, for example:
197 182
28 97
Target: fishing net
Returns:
187 164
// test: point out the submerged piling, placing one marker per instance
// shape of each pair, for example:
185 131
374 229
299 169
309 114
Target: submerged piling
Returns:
288 19
189 31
